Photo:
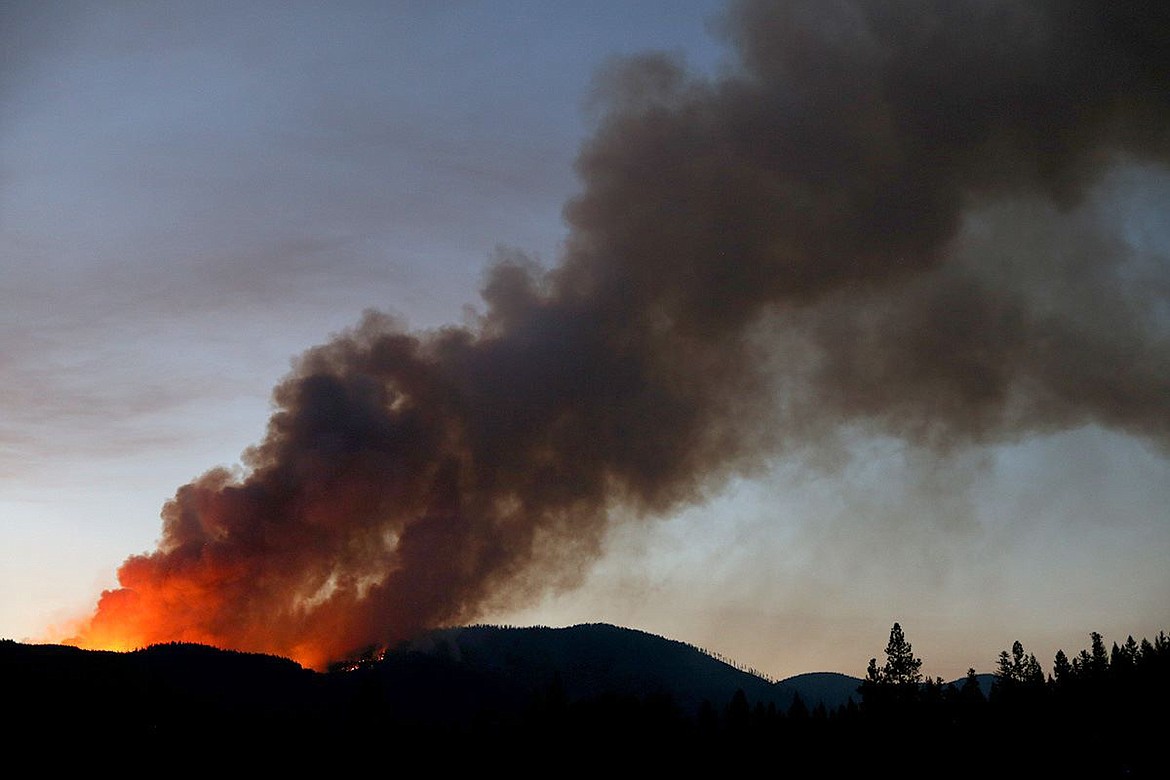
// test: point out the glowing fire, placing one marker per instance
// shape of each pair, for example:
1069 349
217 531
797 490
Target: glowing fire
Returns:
127 620
155 610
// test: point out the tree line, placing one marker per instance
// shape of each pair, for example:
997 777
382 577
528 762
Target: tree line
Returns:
1099 713
1129 670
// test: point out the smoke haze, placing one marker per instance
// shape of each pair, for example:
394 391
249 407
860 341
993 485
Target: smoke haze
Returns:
886 218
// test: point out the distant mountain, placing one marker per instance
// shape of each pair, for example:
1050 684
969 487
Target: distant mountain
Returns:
588 661
535 701
454 696
985 682
830 689
449 676
834 690
150 691
597 659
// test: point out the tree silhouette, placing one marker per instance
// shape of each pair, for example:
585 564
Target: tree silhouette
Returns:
1062 669
1020 670
971 690
1123 658
901 667
898 679
1099 658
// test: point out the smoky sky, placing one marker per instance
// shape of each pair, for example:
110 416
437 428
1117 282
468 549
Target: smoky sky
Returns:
877 220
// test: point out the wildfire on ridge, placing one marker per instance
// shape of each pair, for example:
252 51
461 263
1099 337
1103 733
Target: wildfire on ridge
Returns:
756 262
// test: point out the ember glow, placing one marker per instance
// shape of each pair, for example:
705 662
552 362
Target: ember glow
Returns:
883 219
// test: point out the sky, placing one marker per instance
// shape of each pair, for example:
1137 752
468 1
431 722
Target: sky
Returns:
946 407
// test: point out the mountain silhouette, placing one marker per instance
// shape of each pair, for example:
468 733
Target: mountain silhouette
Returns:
592 660
447 676
538 700
484 688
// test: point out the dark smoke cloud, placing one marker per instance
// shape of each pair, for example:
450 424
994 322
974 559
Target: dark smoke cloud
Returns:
878 220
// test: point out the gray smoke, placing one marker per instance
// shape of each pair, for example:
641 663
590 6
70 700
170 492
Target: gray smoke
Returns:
883 218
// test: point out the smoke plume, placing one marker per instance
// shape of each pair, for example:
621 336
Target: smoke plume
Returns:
881 218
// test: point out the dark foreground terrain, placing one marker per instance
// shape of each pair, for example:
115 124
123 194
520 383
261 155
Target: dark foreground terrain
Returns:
570 701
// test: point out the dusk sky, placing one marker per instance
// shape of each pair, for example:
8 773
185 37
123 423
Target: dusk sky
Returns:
975 444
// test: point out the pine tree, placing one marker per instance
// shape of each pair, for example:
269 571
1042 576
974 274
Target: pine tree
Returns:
1099 658
898 680
873 674
1031 674
1062 670
1017 674
901 668
971 690
1003 670
1122 658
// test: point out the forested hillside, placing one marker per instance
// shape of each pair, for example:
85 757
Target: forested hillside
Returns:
591 696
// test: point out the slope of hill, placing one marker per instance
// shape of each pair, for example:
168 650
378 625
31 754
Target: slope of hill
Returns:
158 689
446 676
831 689
587 661
525 699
